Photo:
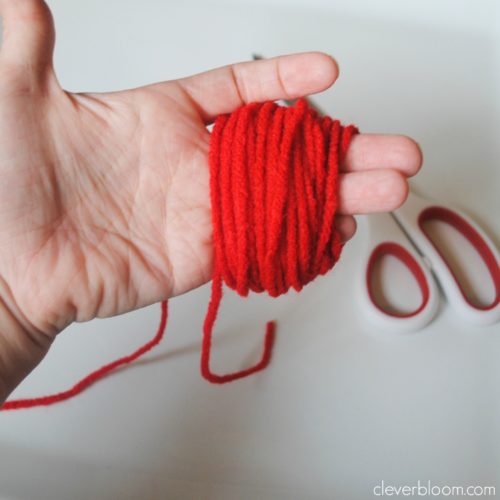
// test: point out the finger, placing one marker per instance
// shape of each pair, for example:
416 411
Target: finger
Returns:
286 77
373 151
346 225
380 190
28 35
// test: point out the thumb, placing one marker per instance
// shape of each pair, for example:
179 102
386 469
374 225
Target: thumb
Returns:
28 36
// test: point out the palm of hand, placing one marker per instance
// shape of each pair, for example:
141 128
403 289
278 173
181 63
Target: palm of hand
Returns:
105 203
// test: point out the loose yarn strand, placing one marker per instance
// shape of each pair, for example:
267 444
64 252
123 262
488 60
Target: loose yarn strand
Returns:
213 309
274 198
91 378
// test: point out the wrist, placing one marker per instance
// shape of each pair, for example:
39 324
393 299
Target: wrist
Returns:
21 346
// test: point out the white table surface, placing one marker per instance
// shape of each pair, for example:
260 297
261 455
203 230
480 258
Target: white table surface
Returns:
339 410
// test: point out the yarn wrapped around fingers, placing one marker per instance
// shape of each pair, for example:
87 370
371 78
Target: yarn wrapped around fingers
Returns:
274 197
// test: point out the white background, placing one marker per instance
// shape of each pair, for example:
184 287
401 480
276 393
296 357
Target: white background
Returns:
339 409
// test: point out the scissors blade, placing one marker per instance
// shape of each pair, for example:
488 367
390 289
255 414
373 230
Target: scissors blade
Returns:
408 236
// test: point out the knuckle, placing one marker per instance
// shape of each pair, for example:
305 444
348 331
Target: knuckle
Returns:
238 81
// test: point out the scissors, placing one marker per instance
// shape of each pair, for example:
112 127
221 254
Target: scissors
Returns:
403 234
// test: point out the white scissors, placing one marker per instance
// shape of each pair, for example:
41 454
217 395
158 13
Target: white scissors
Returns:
403 235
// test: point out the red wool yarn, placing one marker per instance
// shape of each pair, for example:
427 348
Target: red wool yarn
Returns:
273 189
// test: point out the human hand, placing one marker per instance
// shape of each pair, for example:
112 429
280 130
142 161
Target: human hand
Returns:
104 199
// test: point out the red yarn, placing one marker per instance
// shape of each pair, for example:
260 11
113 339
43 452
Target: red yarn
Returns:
92 377
273 188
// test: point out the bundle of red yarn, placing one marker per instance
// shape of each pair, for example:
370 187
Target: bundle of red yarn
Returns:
273 189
